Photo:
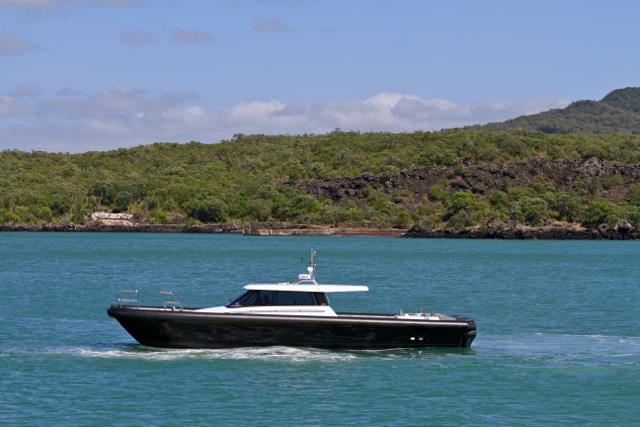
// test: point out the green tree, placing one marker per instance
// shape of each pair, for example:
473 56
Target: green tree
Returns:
535 210
600 212
59 205
105 192
565 206
634 195
258 209
122 201
206 210
462 210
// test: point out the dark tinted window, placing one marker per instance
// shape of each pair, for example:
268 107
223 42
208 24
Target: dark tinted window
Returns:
254 298
266 298
248 298
321 298
251 298
296 298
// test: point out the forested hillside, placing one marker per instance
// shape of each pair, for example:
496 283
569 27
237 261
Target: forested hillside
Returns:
450 179
618 112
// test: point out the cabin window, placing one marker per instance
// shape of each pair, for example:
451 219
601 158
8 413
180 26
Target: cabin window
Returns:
267 298
247 299
321 298
296 298
262 298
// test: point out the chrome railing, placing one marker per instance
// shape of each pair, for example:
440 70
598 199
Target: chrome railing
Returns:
128 297
171 302
131 298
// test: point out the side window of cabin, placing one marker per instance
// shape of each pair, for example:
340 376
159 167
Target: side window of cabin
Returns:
266 298
254 298
261 298
296 298
321 298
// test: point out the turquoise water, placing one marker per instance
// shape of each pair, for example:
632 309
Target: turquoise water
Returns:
558 339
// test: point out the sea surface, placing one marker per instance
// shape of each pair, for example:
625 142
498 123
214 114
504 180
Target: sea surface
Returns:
558 333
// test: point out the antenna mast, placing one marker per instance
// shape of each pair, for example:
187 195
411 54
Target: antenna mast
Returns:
312 265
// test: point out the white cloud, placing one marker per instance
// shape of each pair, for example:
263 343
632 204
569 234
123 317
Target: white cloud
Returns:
11 106
191 37
40 3
27 2
186 115
271 26
254 110
72 121
25 91
119 103
10 45
137 38
67 91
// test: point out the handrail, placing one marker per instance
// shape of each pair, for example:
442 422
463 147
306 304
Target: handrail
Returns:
123 299
171 301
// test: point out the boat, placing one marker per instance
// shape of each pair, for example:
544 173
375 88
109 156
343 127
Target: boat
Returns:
294 314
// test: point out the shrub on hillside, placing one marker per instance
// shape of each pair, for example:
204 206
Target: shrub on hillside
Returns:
600 212
206 210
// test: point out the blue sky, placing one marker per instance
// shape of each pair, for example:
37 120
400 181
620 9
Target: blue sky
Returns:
84 75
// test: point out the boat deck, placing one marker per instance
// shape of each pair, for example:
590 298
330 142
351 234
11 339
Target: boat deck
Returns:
408 316
340 315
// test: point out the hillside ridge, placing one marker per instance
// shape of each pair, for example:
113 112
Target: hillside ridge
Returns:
616 112
448 180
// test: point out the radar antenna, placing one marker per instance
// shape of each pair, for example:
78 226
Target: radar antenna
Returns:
310 276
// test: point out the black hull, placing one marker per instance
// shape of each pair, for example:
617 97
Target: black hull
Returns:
188 329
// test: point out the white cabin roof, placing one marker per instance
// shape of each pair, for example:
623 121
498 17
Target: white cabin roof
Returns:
293 287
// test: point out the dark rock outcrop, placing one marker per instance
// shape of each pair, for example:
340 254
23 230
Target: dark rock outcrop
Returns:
521 232
481 177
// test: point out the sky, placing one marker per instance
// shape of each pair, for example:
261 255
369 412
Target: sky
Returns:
82 75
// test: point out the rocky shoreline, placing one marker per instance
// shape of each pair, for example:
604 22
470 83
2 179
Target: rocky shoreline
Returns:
622 231
250 230
524 232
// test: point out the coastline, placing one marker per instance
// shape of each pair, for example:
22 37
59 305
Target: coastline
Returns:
500 231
